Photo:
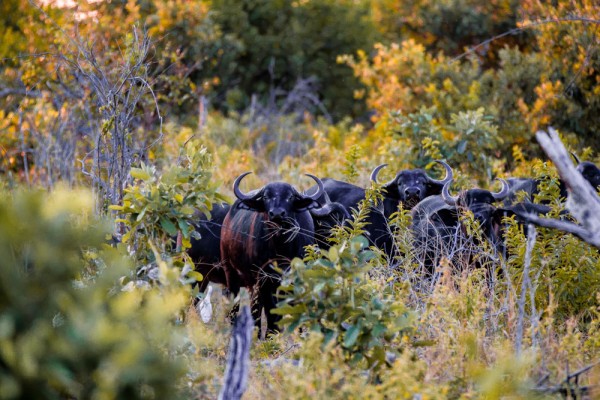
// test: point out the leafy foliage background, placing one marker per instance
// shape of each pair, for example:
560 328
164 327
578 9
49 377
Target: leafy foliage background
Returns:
133 128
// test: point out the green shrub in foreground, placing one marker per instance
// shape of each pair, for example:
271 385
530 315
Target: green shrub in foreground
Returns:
333 295
64 334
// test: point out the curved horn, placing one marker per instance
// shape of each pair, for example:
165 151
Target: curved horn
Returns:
320 190
236 187
502 193
577 160
450 200
376 172
449 174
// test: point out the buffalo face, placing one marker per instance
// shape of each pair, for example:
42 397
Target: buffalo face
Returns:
481 203
279 200
409 187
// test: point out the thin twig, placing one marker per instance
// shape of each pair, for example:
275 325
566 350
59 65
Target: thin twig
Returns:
520 29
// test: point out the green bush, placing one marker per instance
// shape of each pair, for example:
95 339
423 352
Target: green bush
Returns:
282 41
333 295
66 328
160 206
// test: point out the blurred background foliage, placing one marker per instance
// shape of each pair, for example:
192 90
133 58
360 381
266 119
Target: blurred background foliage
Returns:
282 88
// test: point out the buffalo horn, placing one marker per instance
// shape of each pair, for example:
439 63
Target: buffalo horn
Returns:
320 190
325 209
450 200
236 187
502 193
376 172
449 175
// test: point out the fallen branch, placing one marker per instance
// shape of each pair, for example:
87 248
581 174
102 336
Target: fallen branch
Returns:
569 388
582 203
238 359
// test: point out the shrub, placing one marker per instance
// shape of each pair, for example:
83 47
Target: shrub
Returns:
67 331
332 294
160 206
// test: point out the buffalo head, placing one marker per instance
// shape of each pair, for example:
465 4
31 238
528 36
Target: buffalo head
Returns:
279 200
481 203
411 186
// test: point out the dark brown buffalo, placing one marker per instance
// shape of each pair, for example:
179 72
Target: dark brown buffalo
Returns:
262 232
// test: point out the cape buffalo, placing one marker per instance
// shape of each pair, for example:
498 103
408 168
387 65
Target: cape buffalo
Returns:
206 250
590 172
262 232
439 232
408 187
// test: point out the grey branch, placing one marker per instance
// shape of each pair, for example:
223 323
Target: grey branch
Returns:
20 91
238 359
582 200
569 388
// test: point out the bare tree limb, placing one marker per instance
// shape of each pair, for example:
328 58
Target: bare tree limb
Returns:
569 388
526 282
582 199
238 359
20 91
533 24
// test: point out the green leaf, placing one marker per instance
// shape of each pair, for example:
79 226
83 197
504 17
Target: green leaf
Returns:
187 210
138 173
195 275
141 214
185 228
168 226
351 335
287 309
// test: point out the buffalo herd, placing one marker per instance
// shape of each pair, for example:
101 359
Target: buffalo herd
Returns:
249 243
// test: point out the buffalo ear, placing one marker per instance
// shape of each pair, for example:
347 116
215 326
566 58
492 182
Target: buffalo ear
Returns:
305 204
254 203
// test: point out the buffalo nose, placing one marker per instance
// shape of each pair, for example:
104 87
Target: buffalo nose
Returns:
277 214
412 192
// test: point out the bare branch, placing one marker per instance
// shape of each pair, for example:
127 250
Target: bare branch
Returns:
582 199
20 91
238 359
522 28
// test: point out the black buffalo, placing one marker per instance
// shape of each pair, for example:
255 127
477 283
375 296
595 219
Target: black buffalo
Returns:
530 186
407 188
437 227
348 195
262 232
590 172
438 230
205 251
325 218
